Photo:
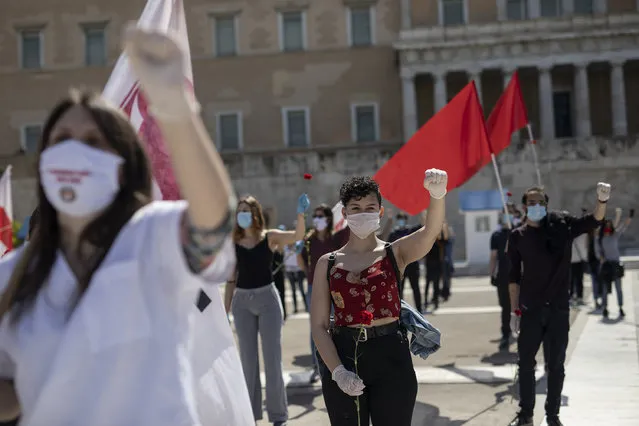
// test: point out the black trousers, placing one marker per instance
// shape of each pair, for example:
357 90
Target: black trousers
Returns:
412 274
503 296
386 367
549 325
296 279
433 275
577 279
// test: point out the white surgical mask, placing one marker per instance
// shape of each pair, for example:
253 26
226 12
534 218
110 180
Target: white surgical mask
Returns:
363 224
320 223
79 180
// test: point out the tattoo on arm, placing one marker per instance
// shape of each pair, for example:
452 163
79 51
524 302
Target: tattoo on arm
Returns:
201 245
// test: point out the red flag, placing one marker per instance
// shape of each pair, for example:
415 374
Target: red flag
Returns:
508 116
6 213
123 90
453 140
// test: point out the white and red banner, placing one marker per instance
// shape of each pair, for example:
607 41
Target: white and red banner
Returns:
339 222
6 213
124 90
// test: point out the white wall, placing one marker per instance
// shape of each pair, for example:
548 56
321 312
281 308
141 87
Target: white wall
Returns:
479 226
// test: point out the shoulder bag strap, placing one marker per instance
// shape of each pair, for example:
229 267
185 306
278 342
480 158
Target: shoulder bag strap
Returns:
331 263
391 256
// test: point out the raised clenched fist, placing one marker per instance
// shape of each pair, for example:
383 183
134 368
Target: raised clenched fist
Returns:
435 182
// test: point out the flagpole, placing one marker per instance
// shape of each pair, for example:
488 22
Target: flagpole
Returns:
501 191
533 142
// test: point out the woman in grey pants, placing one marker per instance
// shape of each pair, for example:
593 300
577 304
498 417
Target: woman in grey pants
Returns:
256 304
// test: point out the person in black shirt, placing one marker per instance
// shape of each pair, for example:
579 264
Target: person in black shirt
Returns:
499 268
539 252
412 269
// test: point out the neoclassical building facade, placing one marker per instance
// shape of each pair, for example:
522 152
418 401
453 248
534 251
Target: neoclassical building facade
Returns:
578 71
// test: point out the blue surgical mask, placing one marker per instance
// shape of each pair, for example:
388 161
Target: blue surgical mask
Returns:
506 218
401 223
244 219
536 212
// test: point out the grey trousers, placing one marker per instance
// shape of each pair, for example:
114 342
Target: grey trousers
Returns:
259 311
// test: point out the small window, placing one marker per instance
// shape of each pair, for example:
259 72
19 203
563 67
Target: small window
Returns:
584 7
517 10
31 135
225 36
482 224
95 46
292 31
361 26
550 8
453 12
229 131
31 49
365 124
296 127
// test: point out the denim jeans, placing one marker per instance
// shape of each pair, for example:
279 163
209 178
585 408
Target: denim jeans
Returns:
606 288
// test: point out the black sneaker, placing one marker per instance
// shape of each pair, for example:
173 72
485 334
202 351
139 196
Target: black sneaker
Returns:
284 423
622 314
554 421
522 420
605 313
504 343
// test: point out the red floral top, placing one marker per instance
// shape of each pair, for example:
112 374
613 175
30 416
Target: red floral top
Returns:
374 289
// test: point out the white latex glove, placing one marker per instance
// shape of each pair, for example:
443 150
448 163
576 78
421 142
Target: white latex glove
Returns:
159 62
603 191
435 182
348 382
515 322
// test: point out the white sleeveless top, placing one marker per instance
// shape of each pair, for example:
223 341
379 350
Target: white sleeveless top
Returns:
136 350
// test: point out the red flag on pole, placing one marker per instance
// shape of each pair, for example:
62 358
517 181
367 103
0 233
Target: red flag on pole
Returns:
123 89
6 213
454 140
508 116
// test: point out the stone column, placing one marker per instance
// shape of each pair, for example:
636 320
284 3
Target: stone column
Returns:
475 75
502 12
618 95
601 6
534 9
406 14
439 83
547 113
582 100
567 7
409 99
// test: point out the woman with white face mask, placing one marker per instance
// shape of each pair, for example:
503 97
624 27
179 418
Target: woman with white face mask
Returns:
319 241
360 282
103 320
257 309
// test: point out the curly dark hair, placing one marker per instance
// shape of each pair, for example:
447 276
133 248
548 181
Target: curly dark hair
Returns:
358 187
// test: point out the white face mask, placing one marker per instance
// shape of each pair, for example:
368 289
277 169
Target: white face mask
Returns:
77 179
320 223
363 224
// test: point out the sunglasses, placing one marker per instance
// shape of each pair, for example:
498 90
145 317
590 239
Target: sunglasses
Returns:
317 216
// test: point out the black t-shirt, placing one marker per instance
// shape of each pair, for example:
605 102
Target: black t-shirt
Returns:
401 233
540 259
435 257
498 242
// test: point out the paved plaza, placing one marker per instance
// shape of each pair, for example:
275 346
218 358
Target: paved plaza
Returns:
469 382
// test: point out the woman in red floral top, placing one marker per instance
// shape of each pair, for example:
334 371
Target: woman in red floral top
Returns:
367 370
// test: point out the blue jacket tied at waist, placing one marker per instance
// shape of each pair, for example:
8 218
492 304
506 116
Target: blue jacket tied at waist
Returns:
425 339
